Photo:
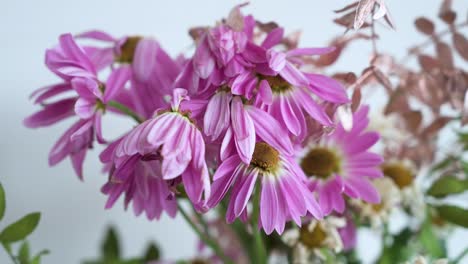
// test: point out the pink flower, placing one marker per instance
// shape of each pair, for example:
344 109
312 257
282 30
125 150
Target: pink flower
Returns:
283 195
341 163
94 96
139 179
283 89
153 70
174 137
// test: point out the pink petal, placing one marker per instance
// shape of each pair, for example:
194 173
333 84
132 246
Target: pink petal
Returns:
144 59
327 88
268 129
96 35
51 114
276 60
309 51
312 108
116 82
273 38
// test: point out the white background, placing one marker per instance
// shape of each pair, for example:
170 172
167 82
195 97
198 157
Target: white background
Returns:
73 218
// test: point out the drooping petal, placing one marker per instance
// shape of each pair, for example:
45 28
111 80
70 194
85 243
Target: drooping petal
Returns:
51 114
144 59
268 129
273 38
312 108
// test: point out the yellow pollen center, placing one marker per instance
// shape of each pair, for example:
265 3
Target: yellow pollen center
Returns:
400 174
265 157
377 207
320 162
312 239
128 50
277 83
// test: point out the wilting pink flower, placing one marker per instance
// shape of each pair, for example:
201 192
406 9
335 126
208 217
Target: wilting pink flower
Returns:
153 70
173 137
283 89
341 163
94 96
284 195
139 179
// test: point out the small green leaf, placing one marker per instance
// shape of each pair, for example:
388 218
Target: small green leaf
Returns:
454 214
430 242
152 252
23 254
37 258
2 202
447 185
110 247
443 164
20 229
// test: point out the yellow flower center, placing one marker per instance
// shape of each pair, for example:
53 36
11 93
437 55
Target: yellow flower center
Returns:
312 239
265 157
128 50
277 83
320 162
399 173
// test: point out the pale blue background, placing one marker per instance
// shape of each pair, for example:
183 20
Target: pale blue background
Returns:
73 215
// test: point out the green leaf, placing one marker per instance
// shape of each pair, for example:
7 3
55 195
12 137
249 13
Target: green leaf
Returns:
447 185
443 164
20 229
110 247
2 202
430 242
454 214
23 254
152 252
37 258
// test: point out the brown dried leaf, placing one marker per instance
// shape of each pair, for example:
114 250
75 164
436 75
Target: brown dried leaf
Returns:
461 45
363 10
398 102
356 99
197 32
266 27
424 25
435 126
446 13
428 63
235 19
413 120
444 55
347 78
346 8
448 17
345 20
382 79
332 57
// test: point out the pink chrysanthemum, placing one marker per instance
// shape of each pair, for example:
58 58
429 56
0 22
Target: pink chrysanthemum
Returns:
139 179
341 163
153 70
178 143
284 195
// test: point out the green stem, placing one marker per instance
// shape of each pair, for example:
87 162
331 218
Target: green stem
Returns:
122 108
219 252
8 250
460 256
259 244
